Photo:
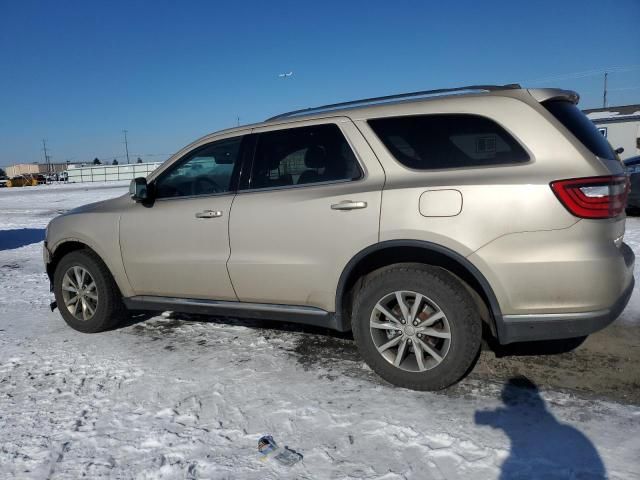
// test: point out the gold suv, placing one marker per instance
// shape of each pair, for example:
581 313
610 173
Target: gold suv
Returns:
409 219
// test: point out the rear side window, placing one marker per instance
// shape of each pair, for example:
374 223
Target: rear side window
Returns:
429 142
303 155
582 128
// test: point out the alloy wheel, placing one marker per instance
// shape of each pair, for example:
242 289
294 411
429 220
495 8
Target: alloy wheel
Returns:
80 293
410 331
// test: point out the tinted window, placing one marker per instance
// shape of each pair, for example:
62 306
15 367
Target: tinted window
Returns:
304 155
205 171
428 142
582 128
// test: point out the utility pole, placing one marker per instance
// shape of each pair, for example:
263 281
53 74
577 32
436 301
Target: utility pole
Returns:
604 95
46 156
126 145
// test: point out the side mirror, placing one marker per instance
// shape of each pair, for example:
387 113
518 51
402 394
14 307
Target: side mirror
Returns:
138 189
619 150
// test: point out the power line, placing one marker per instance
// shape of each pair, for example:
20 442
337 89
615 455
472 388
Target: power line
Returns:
624 88
584 73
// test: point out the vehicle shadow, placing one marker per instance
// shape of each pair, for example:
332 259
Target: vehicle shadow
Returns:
541 446
16 238
323 346
174 318
549 347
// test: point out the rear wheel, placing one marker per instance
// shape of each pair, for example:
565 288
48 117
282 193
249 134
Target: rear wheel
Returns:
416 326
86 294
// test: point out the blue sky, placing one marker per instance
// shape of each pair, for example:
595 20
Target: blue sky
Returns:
78 72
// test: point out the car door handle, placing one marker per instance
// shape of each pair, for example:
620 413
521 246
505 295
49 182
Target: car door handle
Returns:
348 205
209 214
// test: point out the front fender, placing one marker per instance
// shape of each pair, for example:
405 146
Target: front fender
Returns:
98 231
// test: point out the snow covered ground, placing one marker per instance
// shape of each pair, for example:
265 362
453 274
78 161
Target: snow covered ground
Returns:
181 396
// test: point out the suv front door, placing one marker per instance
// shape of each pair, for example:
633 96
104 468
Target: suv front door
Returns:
179 245
307 207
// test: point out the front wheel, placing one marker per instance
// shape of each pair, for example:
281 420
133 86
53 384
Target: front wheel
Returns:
86 294
416 326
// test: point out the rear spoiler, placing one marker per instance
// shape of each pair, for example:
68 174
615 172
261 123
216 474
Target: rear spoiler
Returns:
546 94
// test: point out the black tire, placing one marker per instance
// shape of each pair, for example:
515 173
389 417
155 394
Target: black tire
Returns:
110 310
452 298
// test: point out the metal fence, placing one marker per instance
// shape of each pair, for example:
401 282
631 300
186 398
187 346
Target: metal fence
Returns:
110 173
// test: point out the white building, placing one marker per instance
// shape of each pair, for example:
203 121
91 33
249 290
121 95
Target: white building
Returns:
620 125
34 168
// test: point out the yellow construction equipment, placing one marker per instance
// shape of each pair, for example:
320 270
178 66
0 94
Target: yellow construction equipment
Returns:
27 180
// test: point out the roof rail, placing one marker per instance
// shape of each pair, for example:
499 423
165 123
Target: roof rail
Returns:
423 93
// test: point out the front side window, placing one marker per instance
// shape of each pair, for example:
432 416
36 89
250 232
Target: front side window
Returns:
303 155
205 171
428 142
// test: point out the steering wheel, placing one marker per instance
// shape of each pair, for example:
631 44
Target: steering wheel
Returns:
202 185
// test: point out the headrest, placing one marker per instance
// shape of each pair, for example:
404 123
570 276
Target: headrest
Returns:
315 157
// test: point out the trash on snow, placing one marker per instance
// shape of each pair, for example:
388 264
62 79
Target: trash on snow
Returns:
268 448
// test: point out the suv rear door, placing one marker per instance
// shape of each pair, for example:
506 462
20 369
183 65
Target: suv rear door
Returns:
307 205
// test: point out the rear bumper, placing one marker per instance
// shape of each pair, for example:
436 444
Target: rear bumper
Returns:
524 328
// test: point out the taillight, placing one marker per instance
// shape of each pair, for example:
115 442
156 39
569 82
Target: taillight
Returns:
593 197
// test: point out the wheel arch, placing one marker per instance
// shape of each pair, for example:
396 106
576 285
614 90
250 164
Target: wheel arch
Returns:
416 251
66 247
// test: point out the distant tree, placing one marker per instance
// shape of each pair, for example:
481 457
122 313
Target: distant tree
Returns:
96 161
2 172
139 160
115 162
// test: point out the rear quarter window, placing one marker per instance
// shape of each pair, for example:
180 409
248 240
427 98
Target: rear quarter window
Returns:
429 142
581 127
